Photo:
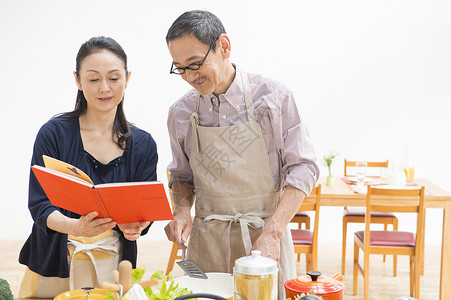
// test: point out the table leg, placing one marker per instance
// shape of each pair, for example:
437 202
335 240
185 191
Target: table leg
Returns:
445 268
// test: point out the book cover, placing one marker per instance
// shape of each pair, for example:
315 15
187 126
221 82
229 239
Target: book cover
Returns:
125 202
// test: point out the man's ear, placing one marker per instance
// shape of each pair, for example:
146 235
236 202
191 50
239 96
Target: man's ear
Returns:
224 45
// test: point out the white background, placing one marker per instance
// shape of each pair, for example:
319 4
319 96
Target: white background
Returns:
371 78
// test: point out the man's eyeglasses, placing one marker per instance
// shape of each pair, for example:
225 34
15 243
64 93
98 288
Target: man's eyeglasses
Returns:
194 66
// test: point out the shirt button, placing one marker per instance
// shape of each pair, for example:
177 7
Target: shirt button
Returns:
210 109
224 116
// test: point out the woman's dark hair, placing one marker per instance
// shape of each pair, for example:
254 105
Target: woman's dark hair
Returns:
204 25
121 127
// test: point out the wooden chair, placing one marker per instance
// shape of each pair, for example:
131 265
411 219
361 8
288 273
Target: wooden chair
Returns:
391 242
356 215
306 241
301 217
175 248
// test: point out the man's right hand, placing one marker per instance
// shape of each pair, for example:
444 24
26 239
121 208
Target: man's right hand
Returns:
180 228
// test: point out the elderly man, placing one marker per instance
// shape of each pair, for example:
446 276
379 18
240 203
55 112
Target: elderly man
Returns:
240 150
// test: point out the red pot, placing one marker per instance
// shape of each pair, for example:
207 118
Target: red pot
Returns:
325 287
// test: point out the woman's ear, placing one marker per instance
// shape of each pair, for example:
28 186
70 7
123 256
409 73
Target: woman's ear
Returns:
224 45
77 81
128 77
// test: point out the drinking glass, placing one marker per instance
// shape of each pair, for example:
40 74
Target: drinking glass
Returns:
360 172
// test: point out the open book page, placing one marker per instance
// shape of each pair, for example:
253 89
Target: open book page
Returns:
68 192
61 166
70 177
145 201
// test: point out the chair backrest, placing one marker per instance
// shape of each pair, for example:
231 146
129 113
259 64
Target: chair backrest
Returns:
369 164
396 200
315 206
315 193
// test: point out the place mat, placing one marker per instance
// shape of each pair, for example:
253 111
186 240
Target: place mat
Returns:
363 189
368 181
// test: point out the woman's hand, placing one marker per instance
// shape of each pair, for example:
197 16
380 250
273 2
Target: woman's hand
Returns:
132 231
89 226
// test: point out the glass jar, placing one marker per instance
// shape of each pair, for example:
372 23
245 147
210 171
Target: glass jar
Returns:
255 277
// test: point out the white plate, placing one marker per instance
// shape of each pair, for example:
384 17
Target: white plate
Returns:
367 179
220 284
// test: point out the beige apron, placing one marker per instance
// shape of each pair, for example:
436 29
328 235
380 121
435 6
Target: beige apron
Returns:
235 194
91 261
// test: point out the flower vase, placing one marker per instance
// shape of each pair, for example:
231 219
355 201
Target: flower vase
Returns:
330 180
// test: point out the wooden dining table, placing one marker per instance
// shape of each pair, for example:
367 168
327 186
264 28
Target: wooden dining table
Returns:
341 194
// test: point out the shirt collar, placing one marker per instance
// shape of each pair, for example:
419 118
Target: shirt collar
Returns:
234 94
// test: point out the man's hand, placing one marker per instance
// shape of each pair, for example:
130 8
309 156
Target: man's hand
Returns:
180 228
268 245
132 231
269 241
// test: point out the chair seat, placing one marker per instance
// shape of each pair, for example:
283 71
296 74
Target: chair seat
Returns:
301 214
302 237
389 238
361 213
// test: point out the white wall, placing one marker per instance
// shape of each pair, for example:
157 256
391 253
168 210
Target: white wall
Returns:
371 79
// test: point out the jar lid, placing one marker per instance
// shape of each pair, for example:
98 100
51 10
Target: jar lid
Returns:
321 285
256 264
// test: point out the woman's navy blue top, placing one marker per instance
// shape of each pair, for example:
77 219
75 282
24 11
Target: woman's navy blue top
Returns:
45 251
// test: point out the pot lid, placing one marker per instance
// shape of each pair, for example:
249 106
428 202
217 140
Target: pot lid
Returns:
256 264
321 285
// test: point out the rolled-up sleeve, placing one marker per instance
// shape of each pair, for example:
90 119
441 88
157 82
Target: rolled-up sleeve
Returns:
179 167
298 155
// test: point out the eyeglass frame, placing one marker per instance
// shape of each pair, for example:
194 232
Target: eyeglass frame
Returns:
190 66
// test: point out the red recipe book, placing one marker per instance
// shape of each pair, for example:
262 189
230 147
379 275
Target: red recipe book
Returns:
126 202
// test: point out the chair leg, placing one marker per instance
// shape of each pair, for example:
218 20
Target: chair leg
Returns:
385 229
355 271
343 247
172 257
418 263
412 272
395 257
314 261
422 253
307 225
366 275
308 262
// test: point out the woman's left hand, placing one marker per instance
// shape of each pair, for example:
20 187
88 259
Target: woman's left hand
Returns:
132 231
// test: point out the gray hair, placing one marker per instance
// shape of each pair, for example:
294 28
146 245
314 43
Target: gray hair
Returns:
204 25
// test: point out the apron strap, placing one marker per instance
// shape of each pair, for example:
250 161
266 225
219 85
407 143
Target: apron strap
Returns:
246 220
101 245
248 97
194 118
